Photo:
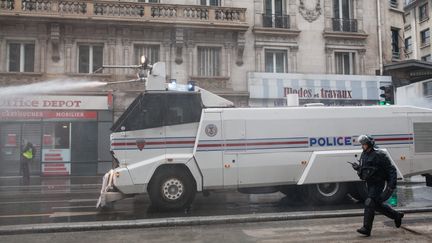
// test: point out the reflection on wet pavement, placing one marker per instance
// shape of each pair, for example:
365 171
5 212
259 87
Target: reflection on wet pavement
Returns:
76 203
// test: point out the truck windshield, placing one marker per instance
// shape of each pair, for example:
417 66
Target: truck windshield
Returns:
152 110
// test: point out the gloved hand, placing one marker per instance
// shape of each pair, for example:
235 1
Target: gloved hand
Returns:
386 194
356 166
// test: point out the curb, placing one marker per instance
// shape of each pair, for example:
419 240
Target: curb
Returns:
186 221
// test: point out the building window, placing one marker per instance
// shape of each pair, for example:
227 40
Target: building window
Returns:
408 44
209 61
395 42
274 15
148 1
276 61
211 2
427 88
90 58
151 52
343 13
426 58
393 3
21 57
425 37
345 62
423 12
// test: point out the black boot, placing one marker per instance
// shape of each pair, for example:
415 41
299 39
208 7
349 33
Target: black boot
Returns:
398 220
364 231
369 215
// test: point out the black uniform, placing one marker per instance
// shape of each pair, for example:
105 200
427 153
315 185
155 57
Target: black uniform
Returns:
376 169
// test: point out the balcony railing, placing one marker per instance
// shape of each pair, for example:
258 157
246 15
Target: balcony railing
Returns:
276 21
345 25
122 10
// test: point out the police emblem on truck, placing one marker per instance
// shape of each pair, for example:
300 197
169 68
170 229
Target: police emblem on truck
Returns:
211 130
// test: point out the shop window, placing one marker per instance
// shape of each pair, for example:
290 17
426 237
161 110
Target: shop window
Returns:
209 61
151 52
425 37
183 108
275 61
21 57
56 135
90 58
210 2
344 63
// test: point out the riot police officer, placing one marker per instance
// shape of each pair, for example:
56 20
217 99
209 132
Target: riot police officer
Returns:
376 169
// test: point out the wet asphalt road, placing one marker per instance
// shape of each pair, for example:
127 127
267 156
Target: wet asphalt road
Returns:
65 201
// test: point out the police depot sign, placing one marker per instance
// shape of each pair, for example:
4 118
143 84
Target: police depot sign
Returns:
54 103
314 86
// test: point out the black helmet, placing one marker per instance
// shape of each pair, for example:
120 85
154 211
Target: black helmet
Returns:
365 139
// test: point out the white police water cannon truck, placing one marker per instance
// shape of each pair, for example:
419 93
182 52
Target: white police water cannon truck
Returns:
174 141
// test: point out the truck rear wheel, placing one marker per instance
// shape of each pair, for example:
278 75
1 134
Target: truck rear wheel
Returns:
358 190
171 188
327 193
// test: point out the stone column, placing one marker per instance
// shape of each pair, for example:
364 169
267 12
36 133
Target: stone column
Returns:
127 50
329 61
191 54
328 15
362 63
68 54
259 59
3 61
41 57
292 61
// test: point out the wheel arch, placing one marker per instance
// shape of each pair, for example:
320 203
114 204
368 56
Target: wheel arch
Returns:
176 166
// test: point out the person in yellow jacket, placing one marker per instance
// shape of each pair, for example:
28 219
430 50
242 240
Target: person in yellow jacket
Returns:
28 153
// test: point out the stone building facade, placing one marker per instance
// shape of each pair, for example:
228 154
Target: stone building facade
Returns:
417 30
253 52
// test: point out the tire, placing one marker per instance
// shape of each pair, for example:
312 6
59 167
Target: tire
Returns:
172 188
294 195
358 191
327 193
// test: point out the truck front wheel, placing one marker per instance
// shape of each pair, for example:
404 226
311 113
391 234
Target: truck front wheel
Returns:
327 193
171 188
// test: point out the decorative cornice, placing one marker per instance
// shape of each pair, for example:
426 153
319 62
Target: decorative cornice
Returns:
345 35
275 31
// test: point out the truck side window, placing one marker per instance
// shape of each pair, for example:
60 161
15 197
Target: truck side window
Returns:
183 108
146 113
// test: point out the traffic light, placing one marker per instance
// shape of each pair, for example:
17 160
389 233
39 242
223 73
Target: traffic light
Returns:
387 94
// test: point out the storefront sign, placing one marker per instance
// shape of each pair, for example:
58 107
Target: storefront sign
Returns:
273 86
53 162
55 103
314 93
28 114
